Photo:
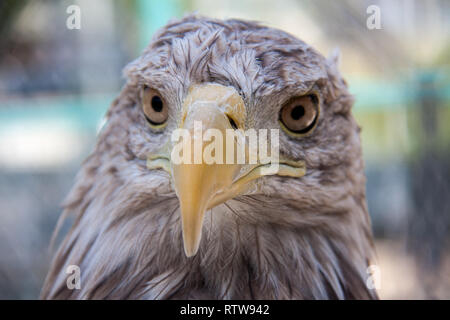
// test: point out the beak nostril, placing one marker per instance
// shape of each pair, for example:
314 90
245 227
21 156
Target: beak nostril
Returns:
232 122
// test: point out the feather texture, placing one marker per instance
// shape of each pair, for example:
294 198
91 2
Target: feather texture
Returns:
307 238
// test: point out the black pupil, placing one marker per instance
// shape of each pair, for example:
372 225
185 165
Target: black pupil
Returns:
232 123
157 104
297 112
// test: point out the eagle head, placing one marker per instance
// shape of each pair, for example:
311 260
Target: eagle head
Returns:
229 167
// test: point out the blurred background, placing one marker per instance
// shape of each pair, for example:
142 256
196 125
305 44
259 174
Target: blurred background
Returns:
57 83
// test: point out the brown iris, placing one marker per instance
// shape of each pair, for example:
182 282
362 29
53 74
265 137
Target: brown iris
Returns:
154 107
299 115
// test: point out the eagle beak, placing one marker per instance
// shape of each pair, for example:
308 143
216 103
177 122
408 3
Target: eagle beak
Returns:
203 175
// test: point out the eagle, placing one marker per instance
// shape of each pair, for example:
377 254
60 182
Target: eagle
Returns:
146 227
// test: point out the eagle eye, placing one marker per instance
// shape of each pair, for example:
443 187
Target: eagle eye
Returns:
299 115
154 107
